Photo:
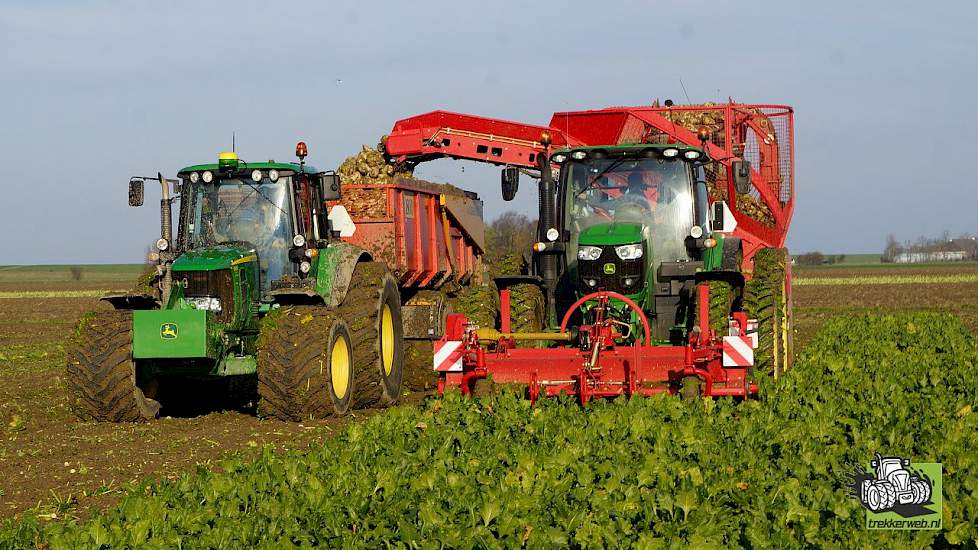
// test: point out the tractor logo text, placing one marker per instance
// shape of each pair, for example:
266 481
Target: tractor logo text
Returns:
168 331
897 495
609 269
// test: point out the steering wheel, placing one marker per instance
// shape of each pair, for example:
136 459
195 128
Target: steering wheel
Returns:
633 210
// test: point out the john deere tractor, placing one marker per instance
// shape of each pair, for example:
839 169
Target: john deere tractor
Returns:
254 282
636 220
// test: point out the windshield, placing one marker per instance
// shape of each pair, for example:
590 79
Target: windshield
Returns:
240 211
655 193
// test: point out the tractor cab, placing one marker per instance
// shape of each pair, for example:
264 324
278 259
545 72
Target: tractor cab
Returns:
269 209
627 206
628 210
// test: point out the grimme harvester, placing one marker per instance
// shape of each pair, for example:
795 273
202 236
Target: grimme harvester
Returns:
271 272
659 252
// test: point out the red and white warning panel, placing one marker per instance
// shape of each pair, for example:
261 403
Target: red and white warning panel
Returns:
448 355
738 351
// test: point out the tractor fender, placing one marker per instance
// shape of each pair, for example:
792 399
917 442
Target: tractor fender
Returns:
336 264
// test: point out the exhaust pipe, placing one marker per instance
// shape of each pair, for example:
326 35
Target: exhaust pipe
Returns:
166 229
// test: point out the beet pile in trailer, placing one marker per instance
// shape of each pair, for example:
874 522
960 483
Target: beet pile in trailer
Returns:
659 249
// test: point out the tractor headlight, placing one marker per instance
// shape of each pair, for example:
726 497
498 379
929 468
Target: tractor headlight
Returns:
205 303
304 267
579 155
207 176
591 282
629 281
692 155
670 152
589 253
559 158
273 175
194 177
629 251
298 240
256 175
162 244
552 234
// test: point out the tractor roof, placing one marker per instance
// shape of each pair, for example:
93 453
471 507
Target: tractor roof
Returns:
630 147
246 166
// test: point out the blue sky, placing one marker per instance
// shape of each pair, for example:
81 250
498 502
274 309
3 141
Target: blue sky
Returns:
94 92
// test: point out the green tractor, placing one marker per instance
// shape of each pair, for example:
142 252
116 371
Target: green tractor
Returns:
637 222
253 285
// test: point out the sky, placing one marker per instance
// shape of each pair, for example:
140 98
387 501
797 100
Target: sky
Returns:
92 93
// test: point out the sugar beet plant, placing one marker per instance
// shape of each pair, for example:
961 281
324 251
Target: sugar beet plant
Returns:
652 472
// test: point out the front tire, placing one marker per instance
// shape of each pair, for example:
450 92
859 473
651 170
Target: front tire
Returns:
373 307
921 492
527 311
293 380
101 373
767 298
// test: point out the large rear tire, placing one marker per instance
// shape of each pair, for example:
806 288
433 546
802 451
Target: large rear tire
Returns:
767 299
527 311
372 307
293 375
102 374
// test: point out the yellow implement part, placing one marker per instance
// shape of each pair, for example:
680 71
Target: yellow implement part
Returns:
492 335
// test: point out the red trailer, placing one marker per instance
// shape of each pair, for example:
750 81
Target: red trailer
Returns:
429 234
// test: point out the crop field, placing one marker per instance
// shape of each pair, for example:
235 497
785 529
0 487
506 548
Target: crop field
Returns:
497 472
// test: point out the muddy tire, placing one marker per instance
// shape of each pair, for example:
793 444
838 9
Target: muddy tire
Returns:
479 303
721 301
767 298
101 373
293 378
372 307
527 311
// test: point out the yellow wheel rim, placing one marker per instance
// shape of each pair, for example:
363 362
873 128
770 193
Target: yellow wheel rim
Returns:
339 367
387 339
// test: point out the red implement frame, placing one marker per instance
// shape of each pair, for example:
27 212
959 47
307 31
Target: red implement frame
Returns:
593 366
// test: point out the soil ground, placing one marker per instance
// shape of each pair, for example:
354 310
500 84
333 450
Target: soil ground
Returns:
51 460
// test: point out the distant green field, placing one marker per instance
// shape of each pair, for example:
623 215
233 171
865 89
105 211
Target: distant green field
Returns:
887 280
858 261
56 273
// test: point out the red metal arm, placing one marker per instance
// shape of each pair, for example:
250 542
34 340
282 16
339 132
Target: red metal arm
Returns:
443 134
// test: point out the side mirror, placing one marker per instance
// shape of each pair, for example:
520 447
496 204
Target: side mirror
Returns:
741 176
329 186
135 192
510 182
721 218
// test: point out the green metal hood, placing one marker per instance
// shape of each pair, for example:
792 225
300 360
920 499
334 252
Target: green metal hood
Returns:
611 234
213 257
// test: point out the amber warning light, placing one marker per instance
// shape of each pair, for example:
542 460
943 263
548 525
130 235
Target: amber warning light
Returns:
301 150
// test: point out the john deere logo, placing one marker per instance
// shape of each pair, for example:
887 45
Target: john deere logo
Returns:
898 495
168 331
609 269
